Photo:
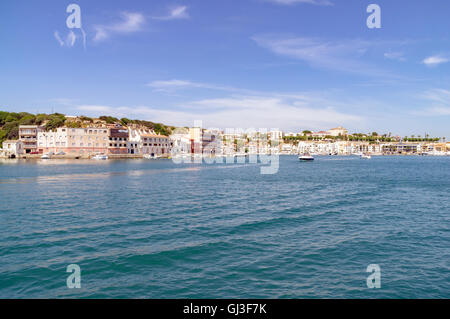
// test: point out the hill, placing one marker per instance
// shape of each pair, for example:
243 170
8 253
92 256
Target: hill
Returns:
10 121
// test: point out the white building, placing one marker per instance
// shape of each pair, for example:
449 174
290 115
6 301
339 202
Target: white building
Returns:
76 141
275 135
338 131
142 141
13 148
52 141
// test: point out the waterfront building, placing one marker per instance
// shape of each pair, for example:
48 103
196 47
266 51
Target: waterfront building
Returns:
12 148
401 148
147 142
319 134
90 140
338 131
275 135
195 137
181 143
28 135
74 141
155 144
287 148
118 140
211 142
56 141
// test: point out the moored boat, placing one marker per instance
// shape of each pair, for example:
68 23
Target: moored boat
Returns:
100 157
150 156
306 157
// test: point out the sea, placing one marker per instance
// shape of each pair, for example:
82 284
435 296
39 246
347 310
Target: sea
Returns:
160 229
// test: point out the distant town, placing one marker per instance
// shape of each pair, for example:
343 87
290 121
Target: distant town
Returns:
25 135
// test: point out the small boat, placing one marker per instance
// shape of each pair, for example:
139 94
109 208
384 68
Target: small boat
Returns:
366 156
306 157
45 156
100 157
150 156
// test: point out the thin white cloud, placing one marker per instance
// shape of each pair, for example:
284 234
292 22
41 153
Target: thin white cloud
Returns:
178 12
435 60
58 38
291 2
69 41
343 55
398 56
175 84
289 112
439 103
130 22
94 108
441 110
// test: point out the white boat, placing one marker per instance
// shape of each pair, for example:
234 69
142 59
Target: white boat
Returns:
366 156
150 156
45 156
306 157
100 157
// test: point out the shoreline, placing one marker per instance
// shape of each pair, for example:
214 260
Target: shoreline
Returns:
134 156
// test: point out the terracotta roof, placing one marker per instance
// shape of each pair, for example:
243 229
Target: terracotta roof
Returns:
153 135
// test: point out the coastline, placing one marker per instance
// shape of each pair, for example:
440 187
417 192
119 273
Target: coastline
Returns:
140 156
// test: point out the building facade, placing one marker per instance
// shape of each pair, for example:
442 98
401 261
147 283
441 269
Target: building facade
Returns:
74 141
118 140
28 135
13 148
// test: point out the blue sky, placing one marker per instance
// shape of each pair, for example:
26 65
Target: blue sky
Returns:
288 64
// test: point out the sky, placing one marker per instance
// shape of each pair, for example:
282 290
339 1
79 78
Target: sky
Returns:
286 64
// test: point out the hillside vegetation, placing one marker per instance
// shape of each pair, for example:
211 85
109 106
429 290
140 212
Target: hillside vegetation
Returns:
10 121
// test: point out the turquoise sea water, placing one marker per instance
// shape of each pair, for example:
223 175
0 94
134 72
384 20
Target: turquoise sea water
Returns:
155 229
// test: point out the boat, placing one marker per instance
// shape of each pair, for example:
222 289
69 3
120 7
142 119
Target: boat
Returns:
150 156
306 157
366 156
100 157
45 156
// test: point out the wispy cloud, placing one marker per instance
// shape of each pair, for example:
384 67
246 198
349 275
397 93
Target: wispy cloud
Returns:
175 84
291 2
439 103
343 55
130 22
69 41
94 108
398 56
285 111
435 60
178 12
